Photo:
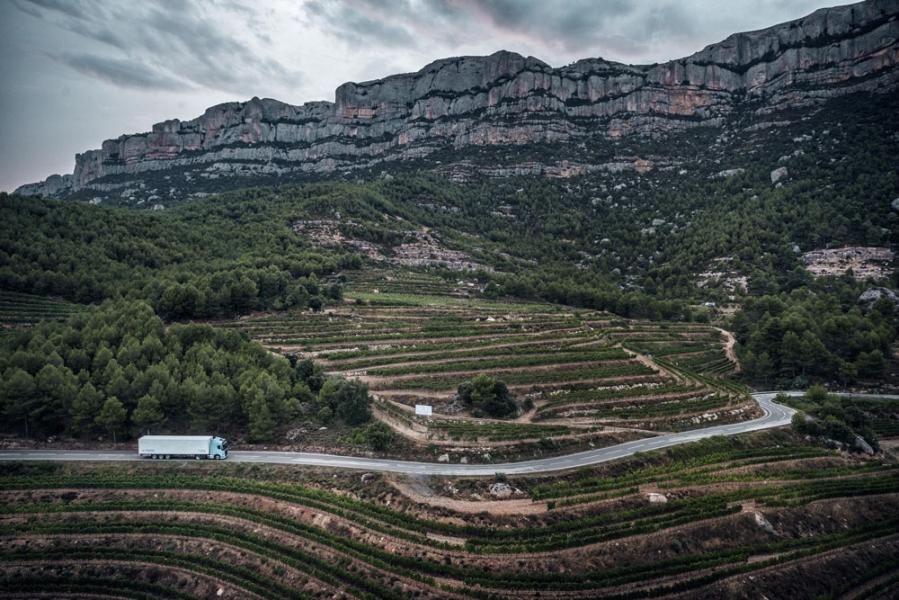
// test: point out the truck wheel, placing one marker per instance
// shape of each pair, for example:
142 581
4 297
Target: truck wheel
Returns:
217 457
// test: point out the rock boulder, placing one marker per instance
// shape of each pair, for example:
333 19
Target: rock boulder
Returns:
778 174
500 490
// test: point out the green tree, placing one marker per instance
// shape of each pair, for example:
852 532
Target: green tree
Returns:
379 436
85 407
19 397
817 394
57 387
262 423
119 387
112 416
349 400
487 396
147 413
871 364
805 425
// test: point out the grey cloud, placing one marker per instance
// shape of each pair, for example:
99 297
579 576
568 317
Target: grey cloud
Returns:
583 26
168 43
364 22
72 8
121 72
28 9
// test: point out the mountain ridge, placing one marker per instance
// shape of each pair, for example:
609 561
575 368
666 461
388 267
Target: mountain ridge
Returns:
508 99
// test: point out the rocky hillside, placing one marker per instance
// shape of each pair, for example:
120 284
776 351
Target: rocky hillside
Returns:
502 99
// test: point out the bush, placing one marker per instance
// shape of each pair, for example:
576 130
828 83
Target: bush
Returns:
377 435
486 396
349 400
806 425
837 430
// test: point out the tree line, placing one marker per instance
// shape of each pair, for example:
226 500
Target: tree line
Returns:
118 370
813 333
208 260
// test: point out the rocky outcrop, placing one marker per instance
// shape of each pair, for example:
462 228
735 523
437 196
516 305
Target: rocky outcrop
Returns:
778 174
872 296
861 445
506 98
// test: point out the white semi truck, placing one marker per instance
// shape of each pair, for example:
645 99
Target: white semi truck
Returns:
182 446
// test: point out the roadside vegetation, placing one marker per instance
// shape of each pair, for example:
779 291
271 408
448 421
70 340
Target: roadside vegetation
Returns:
855 422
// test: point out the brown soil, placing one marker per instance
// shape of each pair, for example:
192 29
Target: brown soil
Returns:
813 577
222 551
520 506
729 343
190 582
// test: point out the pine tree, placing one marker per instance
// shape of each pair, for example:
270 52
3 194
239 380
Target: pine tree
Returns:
262 423
19 397
112 416
148 412
85 407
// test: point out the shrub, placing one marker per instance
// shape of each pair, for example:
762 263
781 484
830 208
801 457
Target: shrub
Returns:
487 396
349 400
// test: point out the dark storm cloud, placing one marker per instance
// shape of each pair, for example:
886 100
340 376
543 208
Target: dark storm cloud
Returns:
164 44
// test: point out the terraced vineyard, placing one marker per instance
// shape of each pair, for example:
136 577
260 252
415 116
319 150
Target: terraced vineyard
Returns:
575 373
17 309
694 347
740 516
397 282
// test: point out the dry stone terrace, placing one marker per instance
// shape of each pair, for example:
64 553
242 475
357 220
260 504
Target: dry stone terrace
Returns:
697 521
575 373
18 310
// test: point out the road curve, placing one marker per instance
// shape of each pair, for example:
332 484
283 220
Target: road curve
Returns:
776 415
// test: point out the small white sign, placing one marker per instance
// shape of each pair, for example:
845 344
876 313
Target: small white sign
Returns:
423 410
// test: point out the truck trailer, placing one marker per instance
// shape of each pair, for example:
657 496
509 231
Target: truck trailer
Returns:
182 446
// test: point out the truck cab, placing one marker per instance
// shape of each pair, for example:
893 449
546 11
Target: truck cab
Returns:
219 448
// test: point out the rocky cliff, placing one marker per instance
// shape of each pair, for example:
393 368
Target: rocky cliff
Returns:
506 98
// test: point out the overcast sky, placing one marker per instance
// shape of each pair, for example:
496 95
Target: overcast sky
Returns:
76 72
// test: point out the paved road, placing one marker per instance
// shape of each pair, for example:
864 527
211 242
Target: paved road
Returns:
776 415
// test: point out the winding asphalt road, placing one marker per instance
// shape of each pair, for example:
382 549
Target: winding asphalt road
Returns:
776 415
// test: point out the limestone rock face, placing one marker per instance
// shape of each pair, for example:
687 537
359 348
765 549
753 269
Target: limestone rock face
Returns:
778 174
506 98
